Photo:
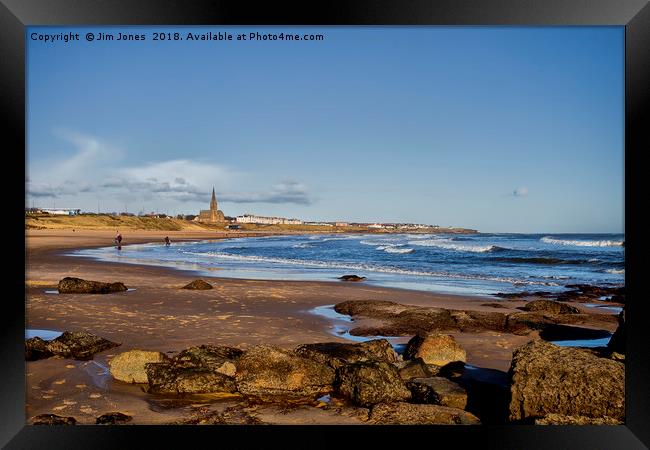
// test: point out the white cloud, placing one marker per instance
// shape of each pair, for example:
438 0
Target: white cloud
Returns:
98 170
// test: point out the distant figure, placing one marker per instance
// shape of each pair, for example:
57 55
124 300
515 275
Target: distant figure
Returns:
118 239
167 241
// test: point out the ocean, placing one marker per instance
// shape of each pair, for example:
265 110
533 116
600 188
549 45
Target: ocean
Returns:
451 263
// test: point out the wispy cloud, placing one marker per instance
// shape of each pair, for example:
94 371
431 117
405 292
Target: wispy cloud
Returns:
98 168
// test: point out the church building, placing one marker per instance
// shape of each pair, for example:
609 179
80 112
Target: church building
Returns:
212 215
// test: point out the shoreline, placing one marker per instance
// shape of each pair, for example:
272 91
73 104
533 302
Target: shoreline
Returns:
160 316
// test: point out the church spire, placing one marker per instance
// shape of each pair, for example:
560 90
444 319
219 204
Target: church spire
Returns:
213 202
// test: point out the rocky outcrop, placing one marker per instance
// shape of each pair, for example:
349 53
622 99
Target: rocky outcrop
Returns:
129 366
52 419
70 285
198 285
370 382
219 358
75 345
203 369
550 306
113 418
36 348
574 293
436 349
403 320
557 419
548 379
438 391
336 354
617 342
266 372
351 278
415 368
420 414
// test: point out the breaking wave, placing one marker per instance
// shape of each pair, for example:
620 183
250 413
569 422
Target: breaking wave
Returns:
616 271
448 245
371 268
579 243
395 249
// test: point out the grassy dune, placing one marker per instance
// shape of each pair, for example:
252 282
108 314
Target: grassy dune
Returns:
106 222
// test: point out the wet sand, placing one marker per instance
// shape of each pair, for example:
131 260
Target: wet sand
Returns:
158 315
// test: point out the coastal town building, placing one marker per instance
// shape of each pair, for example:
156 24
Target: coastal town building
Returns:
61 211
251 218
212 215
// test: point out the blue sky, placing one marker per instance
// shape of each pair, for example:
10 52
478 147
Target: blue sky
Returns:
499 129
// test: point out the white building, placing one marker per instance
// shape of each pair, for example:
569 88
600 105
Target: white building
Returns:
62 211
251 218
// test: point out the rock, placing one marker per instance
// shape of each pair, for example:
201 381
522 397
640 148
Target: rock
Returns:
438 391
198 285
369 382
351 278
575 292
548 379
203 369
129 366
550 306
415 368
36 348
265 372
70 285
557 419
437 349
220 358
164 378
113 418
420 414
617 342
53 419
336 354
403 320
78 345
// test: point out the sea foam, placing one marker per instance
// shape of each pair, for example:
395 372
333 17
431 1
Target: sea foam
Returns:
371 268
579 243
448 245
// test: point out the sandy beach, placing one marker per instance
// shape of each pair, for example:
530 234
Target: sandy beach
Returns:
158 315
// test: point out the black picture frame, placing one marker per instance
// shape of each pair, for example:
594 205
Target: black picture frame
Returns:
634 15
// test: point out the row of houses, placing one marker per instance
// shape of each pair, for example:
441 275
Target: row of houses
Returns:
54 211
268 220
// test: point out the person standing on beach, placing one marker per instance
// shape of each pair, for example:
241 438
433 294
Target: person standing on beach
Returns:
167 241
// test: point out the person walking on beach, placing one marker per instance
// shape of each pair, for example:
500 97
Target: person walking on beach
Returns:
118 239
167 241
